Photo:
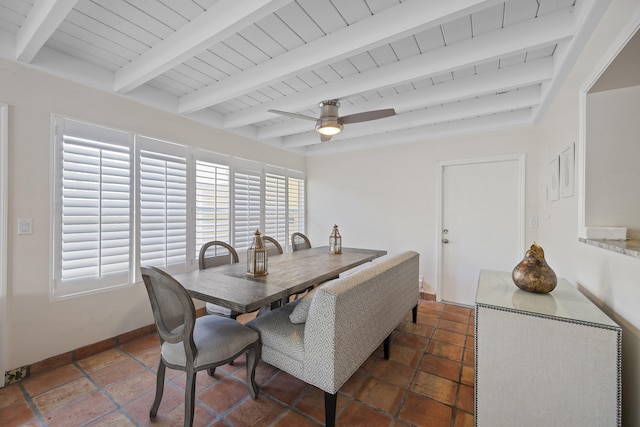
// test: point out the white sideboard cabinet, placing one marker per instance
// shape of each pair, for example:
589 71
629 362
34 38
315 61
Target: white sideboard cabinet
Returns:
544 359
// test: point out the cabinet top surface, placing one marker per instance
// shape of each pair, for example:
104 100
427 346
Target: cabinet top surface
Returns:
496 289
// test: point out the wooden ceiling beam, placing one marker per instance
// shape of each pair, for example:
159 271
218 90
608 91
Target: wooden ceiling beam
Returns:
459 110
43 19
220 21
543 31
504 79
394 23
424 133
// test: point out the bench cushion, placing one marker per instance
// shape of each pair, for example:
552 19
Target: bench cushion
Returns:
282 341
301 310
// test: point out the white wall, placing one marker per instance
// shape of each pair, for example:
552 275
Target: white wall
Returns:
382 195
610 279
4 185
386 197
612 156
37 328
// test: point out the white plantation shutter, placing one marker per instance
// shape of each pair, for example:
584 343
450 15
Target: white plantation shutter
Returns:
247 204
275 216
213 203
92 223
296 205
163 206
121 201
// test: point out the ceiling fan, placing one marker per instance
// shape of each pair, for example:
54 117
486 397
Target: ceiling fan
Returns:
329 123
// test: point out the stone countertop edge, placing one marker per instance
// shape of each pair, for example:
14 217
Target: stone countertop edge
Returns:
624 247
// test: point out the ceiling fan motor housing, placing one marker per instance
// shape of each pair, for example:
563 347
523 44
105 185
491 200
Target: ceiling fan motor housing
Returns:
328 123
329 108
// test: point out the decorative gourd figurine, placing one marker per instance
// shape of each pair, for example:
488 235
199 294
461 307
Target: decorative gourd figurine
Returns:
533 274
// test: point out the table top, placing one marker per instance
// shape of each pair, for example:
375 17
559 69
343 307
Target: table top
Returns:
229 286
496 289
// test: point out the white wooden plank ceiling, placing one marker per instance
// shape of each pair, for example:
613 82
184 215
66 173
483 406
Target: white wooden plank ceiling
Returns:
447 67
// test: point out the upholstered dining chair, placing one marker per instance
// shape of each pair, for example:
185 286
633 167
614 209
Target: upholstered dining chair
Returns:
299 242
274 248
272 245
192 345
214 254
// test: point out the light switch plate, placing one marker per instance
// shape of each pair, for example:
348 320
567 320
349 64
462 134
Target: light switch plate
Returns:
25 226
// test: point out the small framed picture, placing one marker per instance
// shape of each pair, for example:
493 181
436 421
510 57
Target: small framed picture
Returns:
554 179
567 171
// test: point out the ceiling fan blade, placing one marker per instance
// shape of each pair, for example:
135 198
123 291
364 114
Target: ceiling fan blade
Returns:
367 115
325 138
294 115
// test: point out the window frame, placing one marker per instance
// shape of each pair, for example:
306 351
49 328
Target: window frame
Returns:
301 217
161 150
219 162
59 288
63 289
281 224
241 238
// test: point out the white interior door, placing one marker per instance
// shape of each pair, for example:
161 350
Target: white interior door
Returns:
481 223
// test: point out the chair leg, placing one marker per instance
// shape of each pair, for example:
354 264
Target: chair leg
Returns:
414 312
387 345
330 402
159 389
253 356
189 398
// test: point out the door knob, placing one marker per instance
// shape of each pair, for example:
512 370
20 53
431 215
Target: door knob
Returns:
445 240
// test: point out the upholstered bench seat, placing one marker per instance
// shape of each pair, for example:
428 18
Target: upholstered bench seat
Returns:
326 336
283 340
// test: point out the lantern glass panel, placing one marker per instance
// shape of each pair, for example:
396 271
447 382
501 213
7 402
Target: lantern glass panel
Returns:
335 241
257 261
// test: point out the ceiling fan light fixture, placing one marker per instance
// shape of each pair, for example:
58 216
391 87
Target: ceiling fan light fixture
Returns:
329 127
330 122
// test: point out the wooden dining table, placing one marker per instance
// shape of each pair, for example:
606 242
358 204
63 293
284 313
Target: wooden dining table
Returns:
229 285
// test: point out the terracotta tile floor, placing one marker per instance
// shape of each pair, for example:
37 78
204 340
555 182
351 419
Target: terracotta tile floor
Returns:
428 381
